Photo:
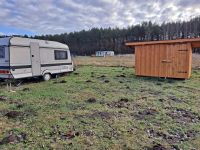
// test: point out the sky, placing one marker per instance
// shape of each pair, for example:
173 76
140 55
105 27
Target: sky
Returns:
37 17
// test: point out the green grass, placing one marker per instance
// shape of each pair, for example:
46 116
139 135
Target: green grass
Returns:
53 109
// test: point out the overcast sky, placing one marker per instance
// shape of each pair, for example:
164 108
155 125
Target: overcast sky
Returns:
59 16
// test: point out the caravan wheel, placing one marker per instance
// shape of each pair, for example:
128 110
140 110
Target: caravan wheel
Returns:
46 77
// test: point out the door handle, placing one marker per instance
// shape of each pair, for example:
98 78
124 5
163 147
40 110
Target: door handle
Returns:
166 61
32 55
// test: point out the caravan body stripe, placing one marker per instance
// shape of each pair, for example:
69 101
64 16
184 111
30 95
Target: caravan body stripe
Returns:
29 66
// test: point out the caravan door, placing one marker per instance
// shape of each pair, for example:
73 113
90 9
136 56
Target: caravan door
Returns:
35 59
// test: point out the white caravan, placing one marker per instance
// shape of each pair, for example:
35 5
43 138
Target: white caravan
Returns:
24 57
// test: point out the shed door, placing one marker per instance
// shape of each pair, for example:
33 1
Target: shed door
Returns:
178 57
35 59
182 62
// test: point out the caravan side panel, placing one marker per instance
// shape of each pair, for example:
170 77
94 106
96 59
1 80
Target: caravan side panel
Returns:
50 65
20 62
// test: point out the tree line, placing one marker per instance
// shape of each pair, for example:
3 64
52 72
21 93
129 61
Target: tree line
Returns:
88 42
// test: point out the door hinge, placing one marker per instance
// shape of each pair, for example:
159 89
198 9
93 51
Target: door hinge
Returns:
183 50
182 72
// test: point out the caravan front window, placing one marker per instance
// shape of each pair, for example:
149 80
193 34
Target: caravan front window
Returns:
60 55
2 52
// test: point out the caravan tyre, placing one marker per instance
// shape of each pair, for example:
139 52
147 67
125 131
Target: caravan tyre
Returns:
46 77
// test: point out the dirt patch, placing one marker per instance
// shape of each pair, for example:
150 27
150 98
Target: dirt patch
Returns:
189 89
19 114
161 100
102 115
145 113
56 133
119 104
121 76
184 116
151 92
19 105
157 147
60 82
62 118
173 138
106 81
63 81
70 135
91 100
123 103
14 114
88 133
76 73
102 76
14 138
3 98
175 99
125 100
26 89
88 81
155 93
158 83
171 81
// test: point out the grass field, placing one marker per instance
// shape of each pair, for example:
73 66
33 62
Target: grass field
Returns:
102 108
120 60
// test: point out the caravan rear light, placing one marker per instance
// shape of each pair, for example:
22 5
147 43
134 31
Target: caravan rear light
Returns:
4 71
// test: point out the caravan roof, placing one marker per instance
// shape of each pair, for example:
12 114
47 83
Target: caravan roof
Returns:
19 41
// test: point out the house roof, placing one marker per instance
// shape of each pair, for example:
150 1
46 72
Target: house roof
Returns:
195 42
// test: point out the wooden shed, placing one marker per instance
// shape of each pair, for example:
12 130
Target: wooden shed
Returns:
170 59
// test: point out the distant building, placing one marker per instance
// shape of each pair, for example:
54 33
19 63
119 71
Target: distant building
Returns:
104 53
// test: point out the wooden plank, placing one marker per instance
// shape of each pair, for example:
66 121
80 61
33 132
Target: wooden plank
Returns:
147 61
172 57
157 60
162 70
138 59
151 64
189 63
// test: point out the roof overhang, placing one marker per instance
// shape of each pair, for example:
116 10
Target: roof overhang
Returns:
195 42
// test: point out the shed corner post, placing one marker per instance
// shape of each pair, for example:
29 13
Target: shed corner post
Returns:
189 67
135 48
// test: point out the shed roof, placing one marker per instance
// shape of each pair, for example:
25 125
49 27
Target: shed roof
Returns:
195 42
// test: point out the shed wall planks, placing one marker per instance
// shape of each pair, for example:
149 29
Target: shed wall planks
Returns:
164 60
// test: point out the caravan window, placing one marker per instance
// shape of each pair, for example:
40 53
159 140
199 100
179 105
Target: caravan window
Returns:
2 52
60 55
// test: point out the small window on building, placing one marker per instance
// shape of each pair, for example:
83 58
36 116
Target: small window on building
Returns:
60 55
2 52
